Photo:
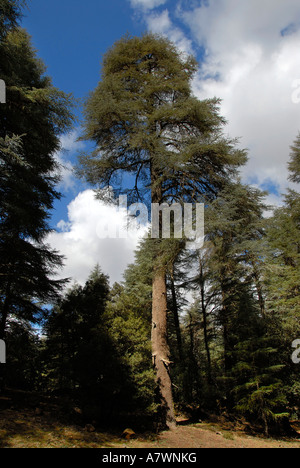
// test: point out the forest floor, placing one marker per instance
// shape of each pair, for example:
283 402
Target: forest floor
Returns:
26 426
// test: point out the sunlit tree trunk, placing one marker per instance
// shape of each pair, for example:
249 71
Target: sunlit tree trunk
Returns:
160 347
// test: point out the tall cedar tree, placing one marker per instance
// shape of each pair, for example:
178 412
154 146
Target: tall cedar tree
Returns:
31 121
146 123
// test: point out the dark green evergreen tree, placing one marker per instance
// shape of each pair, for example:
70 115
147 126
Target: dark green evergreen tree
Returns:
98 351
31 121
229 276
282 278
294 163
74 332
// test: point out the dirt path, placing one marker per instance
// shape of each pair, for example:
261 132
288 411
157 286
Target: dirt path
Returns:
29 429
206 436
34 421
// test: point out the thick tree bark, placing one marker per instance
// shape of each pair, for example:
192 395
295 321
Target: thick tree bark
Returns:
160 348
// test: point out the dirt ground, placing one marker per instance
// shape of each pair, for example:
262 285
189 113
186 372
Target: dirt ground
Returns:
40 427
26 430
206 436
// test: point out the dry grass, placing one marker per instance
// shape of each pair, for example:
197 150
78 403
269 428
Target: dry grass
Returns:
24 424
23 429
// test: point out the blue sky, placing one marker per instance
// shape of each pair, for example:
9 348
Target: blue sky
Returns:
71 37
248 54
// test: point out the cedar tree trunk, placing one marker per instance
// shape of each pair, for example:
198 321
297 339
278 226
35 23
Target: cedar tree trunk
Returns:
160 348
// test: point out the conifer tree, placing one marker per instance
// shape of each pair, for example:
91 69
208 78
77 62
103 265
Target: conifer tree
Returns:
236 232
31 121
234 225
283 262
146 123
74 348
294 163
282 275
98 349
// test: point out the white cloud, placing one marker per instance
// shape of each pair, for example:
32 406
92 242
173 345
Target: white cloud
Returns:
249 57
251 63
80 242
161 23
69 147
147 4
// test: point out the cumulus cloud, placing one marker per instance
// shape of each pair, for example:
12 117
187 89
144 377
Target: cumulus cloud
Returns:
82 239
161 23
251 62
147 4
249 57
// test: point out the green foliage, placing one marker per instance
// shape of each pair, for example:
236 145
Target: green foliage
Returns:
294 163
233 356
283 267
130 329
31 121
98 350
71 328
23 366
146 122
281 278
26 262
257 387
10 14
